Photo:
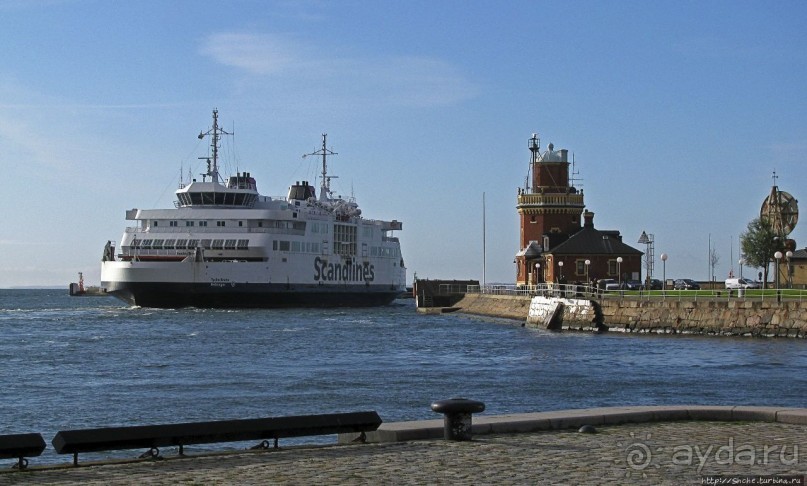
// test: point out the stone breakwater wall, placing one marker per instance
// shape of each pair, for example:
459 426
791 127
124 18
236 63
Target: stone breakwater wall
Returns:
732 318
507 306
671 316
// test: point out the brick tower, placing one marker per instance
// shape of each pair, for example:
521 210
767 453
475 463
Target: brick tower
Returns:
549 208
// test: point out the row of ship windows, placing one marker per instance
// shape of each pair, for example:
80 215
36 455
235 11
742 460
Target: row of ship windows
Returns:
383 251
243 244
282 224
339 248
147 244
216 198
318 228
296 246
174 224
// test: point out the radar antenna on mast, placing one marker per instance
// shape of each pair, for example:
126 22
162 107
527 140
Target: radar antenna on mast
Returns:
325 189
213 162
780 209
575 180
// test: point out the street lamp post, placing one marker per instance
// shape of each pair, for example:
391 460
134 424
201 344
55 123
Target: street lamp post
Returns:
777 256
663 272
588 282
775 245
560 272
537 272
741 262
789 270
619 270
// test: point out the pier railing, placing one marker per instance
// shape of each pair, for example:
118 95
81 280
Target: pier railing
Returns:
583 291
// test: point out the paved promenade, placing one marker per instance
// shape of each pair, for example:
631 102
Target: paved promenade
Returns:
676 452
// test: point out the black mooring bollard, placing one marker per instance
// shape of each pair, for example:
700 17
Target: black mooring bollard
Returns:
457 416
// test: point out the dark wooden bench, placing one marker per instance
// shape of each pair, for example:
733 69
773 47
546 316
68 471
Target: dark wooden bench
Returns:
154 436
20 446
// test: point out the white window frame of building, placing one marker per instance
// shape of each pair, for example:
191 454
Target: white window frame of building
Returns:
580 267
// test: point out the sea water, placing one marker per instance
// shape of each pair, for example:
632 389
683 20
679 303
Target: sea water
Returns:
81 362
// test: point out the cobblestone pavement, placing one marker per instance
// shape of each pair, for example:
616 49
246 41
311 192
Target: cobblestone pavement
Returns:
647 453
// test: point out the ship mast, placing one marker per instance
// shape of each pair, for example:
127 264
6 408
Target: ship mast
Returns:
216 132
325 189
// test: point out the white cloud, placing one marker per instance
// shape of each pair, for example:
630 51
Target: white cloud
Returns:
424 81
36 131
258 54
25 142
399 80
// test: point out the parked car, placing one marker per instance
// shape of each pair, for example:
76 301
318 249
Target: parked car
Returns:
608 284
741 283
686 284
655 284
632 285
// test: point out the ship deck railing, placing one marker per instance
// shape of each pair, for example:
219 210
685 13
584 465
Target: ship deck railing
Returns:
128 252
210 230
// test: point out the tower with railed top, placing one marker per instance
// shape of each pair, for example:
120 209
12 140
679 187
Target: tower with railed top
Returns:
549 207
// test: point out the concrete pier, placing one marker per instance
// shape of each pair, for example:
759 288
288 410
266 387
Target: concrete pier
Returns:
669 316
646 445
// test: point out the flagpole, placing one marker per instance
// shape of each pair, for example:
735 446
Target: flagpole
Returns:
484 243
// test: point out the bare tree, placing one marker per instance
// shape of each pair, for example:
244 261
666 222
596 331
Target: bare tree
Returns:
714 259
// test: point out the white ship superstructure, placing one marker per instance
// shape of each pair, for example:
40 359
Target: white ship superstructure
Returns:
226 245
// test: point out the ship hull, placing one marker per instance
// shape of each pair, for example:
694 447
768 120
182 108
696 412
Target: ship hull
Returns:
206 284
175 295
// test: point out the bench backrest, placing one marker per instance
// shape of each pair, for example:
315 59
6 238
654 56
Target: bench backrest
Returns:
148 436
21 445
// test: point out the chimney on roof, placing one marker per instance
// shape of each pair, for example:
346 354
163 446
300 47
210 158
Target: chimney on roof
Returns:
588 219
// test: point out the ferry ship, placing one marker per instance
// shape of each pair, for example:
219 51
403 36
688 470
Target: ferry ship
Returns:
226 245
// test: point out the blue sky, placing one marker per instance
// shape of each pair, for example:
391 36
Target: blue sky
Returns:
677 114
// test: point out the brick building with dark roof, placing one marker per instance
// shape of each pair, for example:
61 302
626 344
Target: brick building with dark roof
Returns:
793 270
554 245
